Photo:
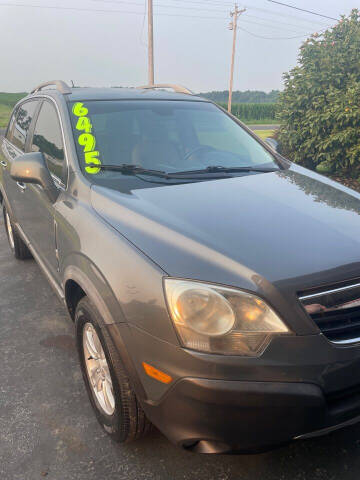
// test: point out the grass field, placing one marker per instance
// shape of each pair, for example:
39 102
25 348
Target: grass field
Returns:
4 115
7 101
266 121
264 133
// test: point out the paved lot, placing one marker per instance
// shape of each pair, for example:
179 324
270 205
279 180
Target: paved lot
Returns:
47 428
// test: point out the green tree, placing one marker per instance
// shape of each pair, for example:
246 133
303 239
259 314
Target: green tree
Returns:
319 109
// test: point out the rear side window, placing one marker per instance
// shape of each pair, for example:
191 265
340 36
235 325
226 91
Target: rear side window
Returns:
19 130
48 140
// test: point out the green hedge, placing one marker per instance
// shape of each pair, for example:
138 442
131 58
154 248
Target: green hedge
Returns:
319 109
253 111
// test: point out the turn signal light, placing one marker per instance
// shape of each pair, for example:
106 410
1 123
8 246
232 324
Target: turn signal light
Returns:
157 374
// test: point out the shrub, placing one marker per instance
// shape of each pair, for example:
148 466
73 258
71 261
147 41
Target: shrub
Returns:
319 109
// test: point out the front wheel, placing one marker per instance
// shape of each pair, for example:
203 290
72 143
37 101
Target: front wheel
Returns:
17 245
111 395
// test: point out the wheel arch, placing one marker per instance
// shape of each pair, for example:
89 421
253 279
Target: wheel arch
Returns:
82 278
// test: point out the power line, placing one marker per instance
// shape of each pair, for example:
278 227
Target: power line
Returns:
277 14
301 27
207 2
201 8
227 4
155 5
119 11
266 25
143 25
274 38
48 7
303 10
93 10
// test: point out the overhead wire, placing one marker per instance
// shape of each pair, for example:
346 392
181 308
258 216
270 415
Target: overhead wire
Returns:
267 24
200 8
111 11
98 10
273 38
302 10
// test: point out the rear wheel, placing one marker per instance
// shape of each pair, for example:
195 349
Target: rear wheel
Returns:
111 394
17 245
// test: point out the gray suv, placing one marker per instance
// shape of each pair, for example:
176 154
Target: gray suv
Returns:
214 285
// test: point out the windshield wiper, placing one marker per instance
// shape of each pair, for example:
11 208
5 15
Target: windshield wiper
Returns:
220 169
129 169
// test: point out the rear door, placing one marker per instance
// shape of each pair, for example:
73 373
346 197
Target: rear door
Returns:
37 218
12 146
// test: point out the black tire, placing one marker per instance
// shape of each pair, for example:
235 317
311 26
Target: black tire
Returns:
128 422
17 245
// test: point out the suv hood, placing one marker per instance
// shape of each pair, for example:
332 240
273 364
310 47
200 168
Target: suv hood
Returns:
291 228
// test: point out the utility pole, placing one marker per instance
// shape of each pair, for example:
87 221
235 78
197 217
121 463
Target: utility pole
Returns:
151 41
233 26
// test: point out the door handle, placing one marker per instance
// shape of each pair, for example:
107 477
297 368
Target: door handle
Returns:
4 164
21 185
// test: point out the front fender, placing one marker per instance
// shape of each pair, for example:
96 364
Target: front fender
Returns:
80 269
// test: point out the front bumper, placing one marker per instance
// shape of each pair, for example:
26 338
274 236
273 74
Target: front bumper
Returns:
215 416
301 386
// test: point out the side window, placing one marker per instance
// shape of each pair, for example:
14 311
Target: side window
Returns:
23 118
9 131
48 140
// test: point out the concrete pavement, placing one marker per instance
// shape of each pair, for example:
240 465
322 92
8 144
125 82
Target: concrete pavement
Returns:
48 430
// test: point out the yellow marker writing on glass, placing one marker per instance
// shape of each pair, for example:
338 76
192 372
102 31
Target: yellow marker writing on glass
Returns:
87 140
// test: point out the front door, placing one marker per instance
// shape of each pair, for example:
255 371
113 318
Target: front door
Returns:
12 146
37 217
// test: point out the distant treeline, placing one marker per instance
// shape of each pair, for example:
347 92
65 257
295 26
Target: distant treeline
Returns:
250 96
261 108
253 111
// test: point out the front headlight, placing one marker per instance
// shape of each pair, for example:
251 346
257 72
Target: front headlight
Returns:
223 320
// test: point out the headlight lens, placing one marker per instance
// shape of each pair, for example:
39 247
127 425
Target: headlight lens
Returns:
223 320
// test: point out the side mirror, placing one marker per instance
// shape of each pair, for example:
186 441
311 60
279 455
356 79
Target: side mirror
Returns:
31 168
272 143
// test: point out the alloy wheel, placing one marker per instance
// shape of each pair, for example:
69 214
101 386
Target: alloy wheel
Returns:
98 370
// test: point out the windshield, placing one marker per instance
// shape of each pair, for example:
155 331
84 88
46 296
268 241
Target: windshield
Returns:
168 136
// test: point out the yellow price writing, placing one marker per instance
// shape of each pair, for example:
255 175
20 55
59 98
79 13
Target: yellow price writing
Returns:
79 110
87 140
92 158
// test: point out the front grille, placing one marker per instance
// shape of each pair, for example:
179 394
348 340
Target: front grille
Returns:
339 326
336 311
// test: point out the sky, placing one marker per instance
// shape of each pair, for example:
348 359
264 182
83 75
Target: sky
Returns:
104 42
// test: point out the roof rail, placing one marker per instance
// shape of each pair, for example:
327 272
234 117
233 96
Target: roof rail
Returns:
61 86
176 88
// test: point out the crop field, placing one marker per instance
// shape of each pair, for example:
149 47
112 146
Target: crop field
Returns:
254 113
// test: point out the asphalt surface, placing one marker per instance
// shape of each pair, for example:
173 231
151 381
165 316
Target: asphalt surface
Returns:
47 427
